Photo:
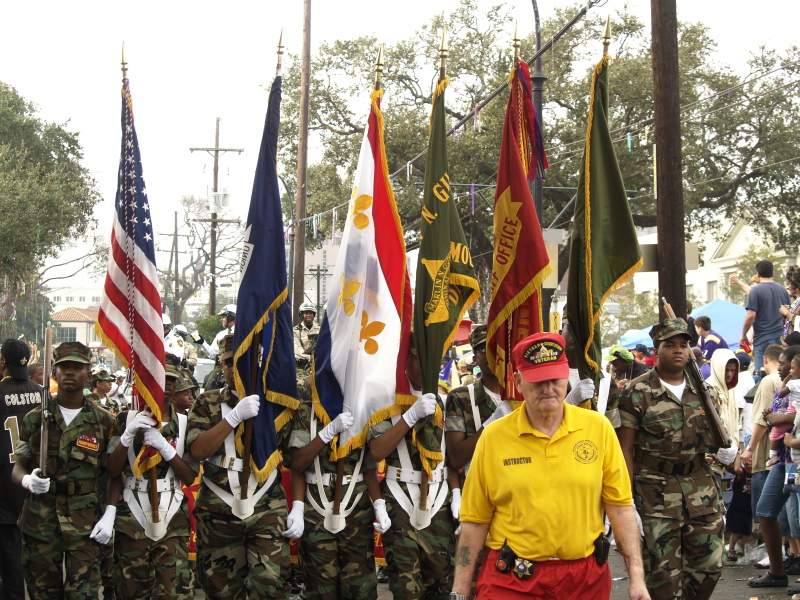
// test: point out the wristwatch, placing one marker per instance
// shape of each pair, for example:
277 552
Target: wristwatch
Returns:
457 596
749 449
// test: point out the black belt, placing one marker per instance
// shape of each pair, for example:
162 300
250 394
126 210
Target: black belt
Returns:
72 488
667 466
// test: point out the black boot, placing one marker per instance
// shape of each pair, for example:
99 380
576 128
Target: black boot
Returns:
383 575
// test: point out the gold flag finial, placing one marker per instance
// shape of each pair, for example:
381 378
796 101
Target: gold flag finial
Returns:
379 68
280 54
607 36
124 63
443 52
517 42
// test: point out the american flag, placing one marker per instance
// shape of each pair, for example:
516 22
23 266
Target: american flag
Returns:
129 322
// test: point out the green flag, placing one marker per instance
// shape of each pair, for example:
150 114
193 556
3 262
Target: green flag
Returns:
446 286
604 250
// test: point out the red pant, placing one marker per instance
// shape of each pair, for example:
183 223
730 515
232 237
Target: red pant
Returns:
563 579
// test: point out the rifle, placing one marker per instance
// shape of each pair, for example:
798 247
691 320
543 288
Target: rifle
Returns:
718 431
45 424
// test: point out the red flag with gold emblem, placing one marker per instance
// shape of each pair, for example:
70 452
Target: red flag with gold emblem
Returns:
520 263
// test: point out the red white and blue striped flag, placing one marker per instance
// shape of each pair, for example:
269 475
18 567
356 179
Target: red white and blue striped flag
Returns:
129 322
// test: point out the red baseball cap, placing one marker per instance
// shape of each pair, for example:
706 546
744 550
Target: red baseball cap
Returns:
541 357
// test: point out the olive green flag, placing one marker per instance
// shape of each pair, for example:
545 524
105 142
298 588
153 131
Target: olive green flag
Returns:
445 286
604 250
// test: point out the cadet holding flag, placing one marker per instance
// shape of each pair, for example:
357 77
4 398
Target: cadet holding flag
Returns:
355 383
239 430
419 545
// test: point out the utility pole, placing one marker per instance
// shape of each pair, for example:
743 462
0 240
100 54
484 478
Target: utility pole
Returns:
175 251
537 86
215 152
318 272
302 168
667 129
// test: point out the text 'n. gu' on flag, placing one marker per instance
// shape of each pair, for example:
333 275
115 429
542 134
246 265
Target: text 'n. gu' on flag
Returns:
520 263
360 356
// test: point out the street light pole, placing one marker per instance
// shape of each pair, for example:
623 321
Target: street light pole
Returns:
537 86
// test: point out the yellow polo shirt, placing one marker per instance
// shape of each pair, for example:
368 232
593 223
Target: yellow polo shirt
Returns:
546 495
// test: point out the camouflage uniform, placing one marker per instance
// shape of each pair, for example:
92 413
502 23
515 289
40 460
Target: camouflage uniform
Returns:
459 409
144 567
235 557
681 513
56 525
337 565
419 561
305 340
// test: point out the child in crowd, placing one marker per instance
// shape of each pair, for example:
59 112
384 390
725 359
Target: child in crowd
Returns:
789 392
739 519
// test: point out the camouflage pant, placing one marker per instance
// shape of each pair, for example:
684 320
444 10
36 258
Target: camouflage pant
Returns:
107 566
42 565
146 569
235 557
340 565
685 556
420 562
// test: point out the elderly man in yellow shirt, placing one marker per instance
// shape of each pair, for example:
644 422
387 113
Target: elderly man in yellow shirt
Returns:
535 496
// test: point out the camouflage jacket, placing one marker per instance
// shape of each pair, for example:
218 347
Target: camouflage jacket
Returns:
459 408
300 437
393 459
112 405
303 346
676 431
125 521
76 457
205 414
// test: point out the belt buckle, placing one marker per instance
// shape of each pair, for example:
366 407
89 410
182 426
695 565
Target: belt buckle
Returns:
231 460
399 473
523 568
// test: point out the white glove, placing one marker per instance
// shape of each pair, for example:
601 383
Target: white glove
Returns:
503 409
295 522
455 503
423 407
35 483
727 455
583 390
341 423
143 420
384 522
154 438
104 529
247 408
639 521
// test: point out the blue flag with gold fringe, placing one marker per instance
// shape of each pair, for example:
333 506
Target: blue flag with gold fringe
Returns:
263 343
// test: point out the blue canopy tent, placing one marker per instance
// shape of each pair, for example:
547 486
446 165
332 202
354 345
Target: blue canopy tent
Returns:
726 317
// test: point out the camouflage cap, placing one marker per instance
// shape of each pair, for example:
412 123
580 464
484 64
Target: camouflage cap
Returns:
102 375
477 337
619 353
226 347
185 383
670 328
71 351
173 366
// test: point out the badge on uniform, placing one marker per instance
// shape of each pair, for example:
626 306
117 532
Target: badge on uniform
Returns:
88 442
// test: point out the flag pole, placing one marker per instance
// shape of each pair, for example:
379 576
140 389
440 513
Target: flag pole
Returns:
443 52
607 36
337 490
151 472
247 442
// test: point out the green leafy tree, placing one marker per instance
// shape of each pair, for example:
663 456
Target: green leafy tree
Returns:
47 199
739 139
744 269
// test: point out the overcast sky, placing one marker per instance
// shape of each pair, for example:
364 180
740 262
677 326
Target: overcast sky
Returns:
191 62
